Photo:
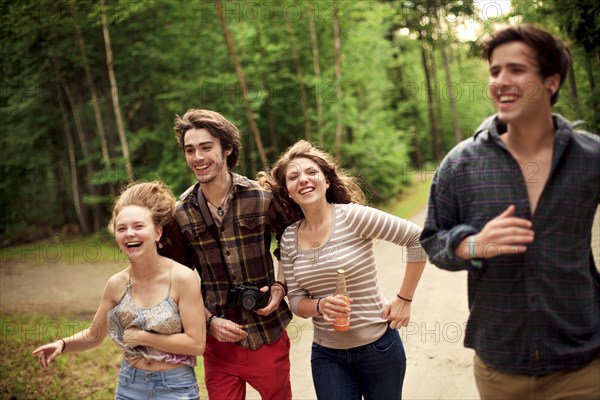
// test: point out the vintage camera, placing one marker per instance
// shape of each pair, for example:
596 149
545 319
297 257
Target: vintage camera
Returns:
247 297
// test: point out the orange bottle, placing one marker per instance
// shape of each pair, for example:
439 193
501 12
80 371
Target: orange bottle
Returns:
341 324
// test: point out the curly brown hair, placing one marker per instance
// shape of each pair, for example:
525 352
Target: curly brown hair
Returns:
343 188
155 196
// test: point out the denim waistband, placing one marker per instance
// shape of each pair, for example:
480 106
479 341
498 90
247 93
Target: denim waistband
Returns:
134 373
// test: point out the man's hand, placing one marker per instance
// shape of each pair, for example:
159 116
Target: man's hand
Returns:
505 234
225 330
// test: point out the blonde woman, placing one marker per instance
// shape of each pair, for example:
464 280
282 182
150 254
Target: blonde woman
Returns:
152 309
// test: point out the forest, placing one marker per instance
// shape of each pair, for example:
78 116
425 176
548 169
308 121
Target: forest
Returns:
90 90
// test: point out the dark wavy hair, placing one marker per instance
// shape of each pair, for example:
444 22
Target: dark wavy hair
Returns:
342 187
552 54
218 126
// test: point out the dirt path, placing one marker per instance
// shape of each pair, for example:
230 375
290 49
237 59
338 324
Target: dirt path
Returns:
57 287
439 367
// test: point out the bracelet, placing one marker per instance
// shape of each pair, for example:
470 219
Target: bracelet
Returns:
283 286
319 302
474 262
472 247
208 322
64 345
402 298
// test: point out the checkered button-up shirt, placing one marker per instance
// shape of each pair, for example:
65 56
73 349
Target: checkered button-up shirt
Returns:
241 255
537 312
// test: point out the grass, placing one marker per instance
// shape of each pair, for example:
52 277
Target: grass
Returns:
412 199
90 374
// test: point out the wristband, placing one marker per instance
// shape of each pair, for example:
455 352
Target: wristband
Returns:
477 263
208 322
402 298
283 286
64 345
319 302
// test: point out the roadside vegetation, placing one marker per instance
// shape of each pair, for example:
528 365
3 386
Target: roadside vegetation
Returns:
91 374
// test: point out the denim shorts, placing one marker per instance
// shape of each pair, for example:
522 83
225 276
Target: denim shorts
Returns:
178 383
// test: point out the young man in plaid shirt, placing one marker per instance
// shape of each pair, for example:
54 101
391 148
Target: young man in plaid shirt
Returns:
222 228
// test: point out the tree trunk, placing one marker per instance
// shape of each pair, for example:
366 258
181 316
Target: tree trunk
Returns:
573 91
436 98
64 197
338 79
271 124
93 95
452 97
417 152
432 123
80 208
251 167
87 153
114 91
108 116
590 73
274 148
242 79
300 77
317 68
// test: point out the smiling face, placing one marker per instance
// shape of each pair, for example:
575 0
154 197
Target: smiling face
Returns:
518 90
135 232
204 155
305 182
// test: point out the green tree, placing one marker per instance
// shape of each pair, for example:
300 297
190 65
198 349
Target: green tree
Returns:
576 22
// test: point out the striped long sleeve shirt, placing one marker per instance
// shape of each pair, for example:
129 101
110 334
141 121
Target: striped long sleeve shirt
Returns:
311 273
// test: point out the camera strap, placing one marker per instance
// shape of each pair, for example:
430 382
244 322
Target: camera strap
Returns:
209 221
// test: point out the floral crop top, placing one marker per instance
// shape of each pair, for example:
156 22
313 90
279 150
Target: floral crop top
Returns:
161 318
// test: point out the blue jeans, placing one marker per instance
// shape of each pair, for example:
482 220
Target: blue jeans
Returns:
135 384
375 371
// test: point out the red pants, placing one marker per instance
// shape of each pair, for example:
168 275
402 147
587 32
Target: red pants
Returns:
227 368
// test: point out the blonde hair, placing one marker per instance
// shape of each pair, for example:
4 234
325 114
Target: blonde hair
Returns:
342 187
155 196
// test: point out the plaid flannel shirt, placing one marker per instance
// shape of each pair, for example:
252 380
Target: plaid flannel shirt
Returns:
537 312
241 256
